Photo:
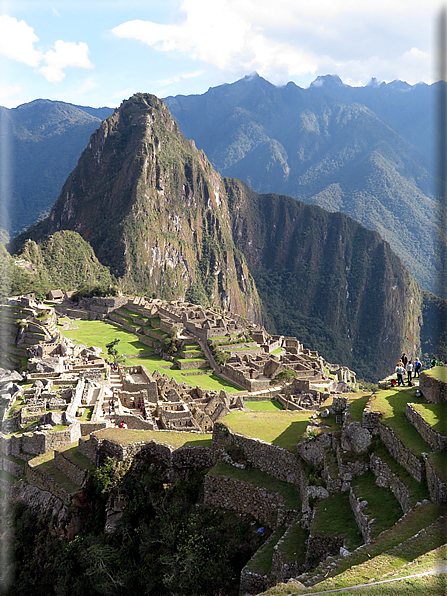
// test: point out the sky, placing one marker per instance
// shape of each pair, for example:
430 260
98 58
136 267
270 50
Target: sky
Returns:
98 53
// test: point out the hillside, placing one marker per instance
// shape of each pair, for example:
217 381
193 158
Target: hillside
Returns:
164 222
363 151
44 140
64 260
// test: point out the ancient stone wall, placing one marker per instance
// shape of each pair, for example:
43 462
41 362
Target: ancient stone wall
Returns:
434 390
46 483
11 467
235 495
76 398
401 454
273 460
135 422
88 448
192 458
436 487
71 470
387 478
282 571
363 522
90 427
436 441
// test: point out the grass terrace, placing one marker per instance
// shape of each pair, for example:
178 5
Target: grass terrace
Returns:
418 490
357 405
435 415
294 547
382 504
334 517
99 333
261 562
72 454
439 462
392 404
45 464
265 405
284 429
437 372
174 439
387 554
255 477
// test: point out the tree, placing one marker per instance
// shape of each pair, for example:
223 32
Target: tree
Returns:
172 344
112 351
284 378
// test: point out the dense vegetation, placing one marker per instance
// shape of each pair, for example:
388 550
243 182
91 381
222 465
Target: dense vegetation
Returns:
165 542
64 260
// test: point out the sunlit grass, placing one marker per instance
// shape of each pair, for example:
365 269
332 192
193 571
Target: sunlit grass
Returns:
284 429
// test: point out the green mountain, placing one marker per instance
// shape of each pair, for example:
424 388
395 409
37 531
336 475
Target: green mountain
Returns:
154 211
62 261
363 151
164 222
43 141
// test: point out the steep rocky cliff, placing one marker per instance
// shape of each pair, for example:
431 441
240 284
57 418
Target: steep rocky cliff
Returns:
154 211
328 280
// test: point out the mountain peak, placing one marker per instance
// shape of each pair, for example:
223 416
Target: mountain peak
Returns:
328 81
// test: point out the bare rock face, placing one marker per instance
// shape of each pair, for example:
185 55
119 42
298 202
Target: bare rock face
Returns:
312 451
356 438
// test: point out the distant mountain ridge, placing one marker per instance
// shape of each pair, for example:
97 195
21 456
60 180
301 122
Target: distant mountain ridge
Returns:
44 140
365 151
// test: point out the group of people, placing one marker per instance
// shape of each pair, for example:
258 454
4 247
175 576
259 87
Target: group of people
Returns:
407 366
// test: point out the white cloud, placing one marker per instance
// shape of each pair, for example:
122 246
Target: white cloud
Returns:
288 39
7 94
216 33
17 41
64 54
89 84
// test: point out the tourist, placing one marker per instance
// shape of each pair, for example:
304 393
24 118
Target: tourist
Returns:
410 372
417 367
400 374
404 360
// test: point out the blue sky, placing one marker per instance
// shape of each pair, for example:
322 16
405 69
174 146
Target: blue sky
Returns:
100 52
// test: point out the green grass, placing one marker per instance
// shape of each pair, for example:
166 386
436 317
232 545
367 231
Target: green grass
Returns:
71 453
387 553
49 469
334 517
174 439
264 405
437 372
435 415
87 415
418 490
439 462
357 405
261 562
99 334
294 547
392 403
277 351
290 492
284 429
382 504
